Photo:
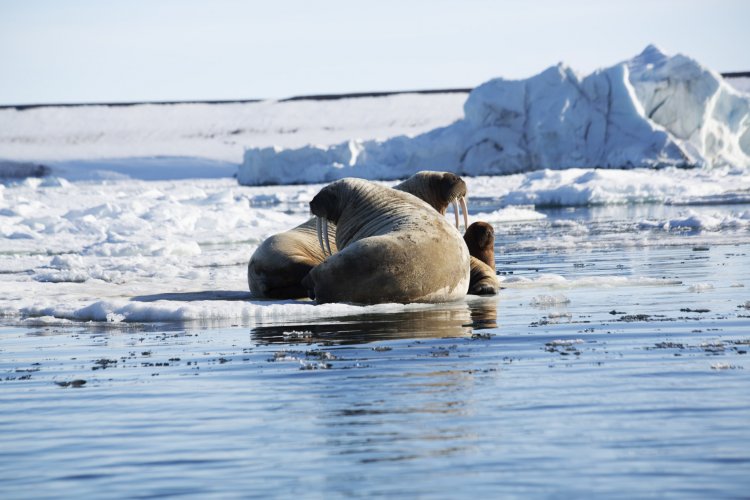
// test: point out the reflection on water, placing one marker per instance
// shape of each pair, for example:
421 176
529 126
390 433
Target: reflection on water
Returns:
458 319
626 391
484 312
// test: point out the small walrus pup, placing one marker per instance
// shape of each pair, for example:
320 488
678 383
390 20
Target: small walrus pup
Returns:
393 247
279 264
480 239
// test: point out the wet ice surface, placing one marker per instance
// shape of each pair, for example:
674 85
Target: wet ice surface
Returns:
614 363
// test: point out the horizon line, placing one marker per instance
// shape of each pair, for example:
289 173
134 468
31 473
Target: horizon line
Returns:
304 97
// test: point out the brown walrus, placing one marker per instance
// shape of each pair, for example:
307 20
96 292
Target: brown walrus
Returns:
480 239
279 264
393 247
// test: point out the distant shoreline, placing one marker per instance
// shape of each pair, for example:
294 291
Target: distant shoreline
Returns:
311 97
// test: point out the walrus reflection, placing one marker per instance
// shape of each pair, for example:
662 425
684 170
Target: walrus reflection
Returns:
480 239
279 264
483 313
454 320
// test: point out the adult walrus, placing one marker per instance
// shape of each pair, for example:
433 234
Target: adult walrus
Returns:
393 247
480 239
279 264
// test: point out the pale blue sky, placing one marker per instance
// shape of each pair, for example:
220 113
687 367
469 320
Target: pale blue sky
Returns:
95 51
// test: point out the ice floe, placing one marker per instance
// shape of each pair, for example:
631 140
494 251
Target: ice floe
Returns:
135 251
653 110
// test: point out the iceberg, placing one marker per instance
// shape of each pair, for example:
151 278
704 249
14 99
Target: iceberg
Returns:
651 111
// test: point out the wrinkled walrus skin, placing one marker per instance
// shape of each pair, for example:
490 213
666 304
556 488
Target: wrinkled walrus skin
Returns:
480 239
277 267
279 264
393 247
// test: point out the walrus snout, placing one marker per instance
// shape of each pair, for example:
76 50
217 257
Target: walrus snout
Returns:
453 190
452 186
320 205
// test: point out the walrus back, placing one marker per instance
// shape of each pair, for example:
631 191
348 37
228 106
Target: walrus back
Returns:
397 267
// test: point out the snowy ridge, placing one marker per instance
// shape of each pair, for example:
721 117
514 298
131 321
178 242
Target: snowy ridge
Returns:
651 111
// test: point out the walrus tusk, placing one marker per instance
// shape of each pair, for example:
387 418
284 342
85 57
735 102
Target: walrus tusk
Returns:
319 229
455 212
327 237
465 210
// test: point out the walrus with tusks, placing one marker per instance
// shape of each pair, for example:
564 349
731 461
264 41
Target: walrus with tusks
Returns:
279 264
393 247
480 240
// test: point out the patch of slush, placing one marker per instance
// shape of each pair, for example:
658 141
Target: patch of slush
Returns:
700 287
554 281
545 301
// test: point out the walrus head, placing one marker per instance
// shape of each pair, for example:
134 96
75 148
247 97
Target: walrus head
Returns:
480 238
331 202
438 189
325 206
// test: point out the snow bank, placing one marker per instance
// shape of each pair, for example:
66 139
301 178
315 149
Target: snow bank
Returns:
118 311
582 186
218 132
509 214
650 111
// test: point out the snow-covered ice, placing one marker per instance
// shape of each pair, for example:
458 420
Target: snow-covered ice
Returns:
581 187
212 132
130 214
134 251
741 83
653 110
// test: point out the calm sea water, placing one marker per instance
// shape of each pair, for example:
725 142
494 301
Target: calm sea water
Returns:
633 382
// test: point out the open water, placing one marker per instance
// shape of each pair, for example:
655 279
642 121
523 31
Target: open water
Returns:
627 378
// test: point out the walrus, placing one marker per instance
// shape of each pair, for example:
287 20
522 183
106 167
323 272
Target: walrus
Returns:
279 264
392 247
480 240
